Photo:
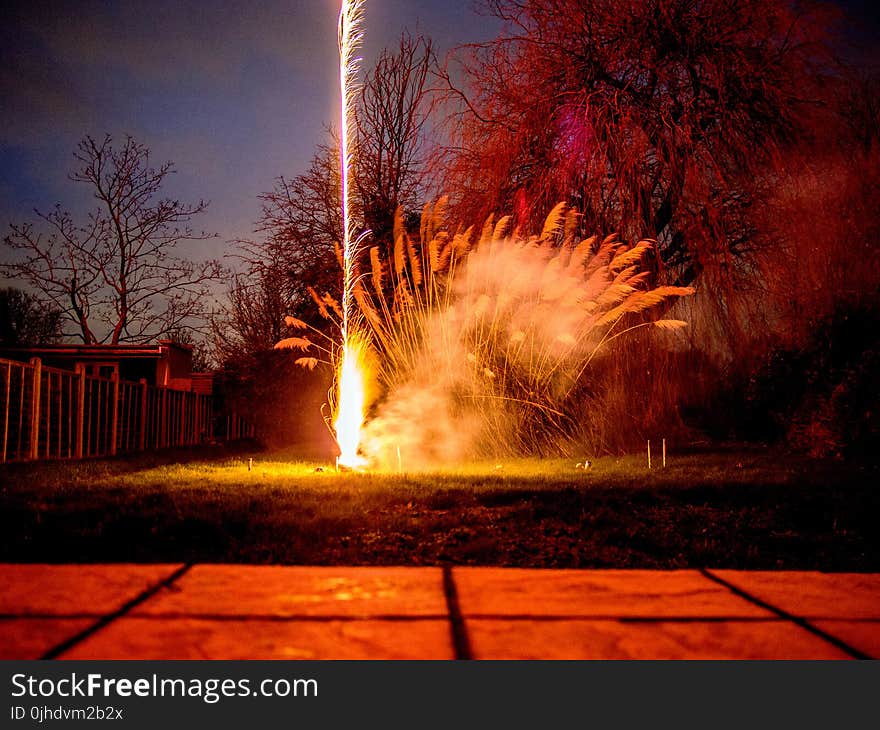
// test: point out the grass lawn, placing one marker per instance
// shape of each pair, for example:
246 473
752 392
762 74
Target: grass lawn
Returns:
727 508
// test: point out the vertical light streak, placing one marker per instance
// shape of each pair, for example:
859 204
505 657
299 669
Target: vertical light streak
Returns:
349 39
351 389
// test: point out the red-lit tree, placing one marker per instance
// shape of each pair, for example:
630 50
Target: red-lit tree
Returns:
655 118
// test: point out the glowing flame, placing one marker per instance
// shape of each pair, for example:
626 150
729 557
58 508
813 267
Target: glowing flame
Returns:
351 398
352 403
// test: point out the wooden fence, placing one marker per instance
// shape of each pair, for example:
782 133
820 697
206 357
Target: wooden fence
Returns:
49 413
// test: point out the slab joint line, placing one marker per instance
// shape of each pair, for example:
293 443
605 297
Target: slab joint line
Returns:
68 644
798 620
460 642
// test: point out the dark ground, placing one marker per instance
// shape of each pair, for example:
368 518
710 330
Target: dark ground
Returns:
728 508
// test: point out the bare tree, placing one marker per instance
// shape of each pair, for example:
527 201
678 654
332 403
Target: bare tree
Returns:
252 318
115 277
392 117
301 224
300 221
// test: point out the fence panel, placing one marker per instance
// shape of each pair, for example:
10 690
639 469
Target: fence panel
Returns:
97 415
18 400
58 413
50 413
129 417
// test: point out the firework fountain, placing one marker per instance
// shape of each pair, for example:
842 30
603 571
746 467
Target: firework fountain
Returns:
479 343
351 376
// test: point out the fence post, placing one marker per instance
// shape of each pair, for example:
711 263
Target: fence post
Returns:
182 437
163 420
6 408
114 412
35 409
142 425
80 410
197 419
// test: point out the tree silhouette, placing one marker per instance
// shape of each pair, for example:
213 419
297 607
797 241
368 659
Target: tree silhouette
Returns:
115 277
392 117
26 320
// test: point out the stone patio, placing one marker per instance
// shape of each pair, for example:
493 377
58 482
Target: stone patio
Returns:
278 612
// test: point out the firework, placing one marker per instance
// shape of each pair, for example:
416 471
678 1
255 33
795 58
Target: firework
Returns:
351 386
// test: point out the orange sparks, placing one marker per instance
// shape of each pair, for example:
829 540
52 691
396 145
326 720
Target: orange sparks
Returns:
352 403
351 377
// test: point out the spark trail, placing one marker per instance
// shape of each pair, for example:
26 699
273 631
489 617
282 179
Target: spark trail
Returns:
351 376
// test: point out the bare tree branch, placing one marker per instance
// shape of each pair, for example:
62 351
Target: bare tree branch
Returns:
116 278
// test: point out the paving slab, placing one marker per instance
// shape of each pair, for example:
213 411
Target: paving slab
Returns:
597 594
609 639
250 612
31 638
291 591
810 594
147 638
74 590
861 635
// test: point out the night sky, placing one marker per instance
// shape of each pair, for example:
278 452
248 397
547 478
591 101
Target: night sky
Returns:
233 93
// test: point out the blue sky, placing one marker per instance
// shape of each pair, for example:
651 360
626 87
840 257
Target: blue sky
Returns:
234 93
